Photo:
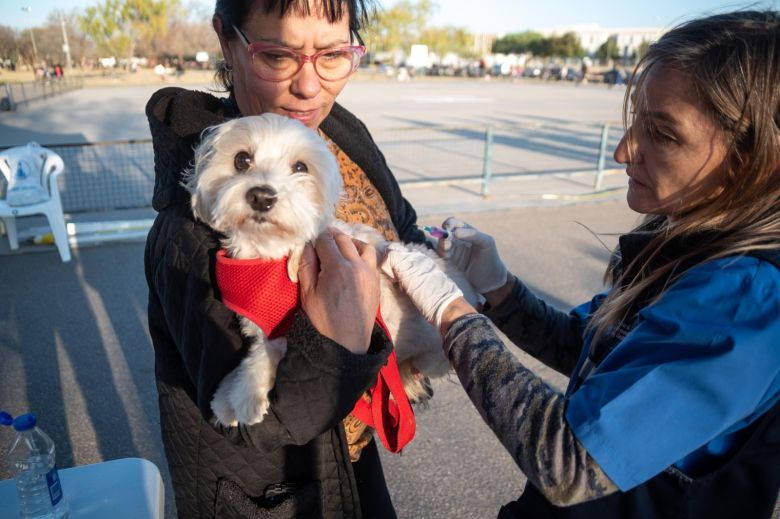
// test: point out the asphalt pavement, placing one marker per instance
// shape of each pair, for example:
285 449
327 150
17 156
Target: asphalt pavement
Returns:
75 349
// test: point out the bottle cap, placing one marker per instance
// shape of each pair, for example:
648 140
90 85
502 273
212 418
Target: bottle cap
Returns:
5 418
24 422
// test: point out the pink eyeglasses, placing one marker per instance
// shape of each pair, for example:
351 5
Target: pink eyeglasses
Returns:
276 63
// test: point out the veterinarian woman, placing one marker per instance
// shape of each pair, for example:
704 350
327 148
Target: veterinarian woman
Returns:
673 404
290 57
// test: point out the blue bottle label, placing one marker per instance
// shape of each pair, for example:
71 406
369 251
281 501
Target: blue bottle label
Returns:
55 489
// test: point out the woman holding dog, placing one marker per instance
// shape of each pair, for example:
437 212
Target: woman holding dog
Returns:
673 406
308 457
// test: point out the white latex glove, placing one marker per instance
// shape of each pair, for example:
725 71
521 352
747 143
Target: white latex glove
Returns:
474 253
430 289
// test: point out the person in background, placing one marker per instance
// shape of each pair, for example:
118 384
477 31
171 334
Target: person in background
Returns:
673 405
309 457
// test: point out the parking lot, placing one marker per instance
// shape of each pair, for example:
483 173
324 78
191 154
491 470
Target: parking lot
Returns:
74 344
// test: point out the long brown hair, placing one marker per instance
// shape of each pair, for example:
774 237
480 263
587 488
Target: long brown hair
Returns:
732 61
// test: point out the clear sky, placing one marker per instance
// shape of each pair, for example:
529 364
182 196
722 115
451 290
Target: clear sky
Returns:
503 16
491 16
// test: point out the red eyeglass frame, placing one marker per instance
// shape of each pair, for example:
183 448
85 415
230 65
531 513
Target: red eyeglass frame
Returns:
253 48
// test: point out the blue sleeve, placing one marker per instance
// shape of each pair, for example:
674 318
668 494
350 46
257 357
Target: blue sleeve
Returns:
702 362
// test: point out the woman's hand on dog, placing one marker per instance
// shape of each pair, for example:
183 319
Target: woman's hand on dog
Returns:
339 284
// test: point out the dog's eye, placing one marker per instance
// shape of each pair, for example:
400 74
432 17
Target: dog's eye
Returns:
300 167
242 161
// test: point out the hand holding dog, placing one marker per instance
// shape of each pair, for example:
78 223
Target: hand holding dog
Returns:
339 284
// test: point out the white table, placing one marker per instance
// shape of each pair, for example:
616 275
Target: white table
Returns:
129 488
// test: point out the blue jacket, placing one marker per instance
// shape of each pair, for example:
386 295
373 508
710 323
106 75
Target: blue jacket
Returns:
680 406
704 358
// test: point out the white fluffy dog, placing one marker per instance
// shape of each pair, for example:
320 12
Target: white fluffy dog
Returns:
270 185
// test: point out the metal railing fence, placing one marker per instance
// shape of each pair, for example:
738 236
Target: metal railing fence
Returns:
437 155
114 175
13 95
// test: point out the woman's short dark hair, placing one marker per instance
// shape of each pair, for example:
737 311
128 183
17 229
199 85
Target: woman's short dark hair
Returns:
235 12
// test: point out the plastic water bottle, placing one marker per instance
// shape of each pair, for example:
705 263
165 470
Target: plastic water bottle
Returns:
31 461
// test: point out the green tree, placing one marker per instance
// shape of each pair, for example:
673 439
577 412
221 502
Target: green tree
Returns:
642 49
566 46
608 50
541 47
448 39
118 26
518 43
104 25
399 27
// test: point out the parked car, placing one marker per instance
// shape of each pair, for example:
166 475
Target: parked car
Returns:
572 74
532 71
555 73
615 76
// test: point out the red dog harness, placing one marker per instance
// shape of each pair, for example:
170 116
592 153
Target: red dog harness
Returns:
261 291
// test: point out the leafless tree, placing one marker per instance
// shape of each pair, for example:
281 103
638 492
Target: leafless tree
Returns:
7 43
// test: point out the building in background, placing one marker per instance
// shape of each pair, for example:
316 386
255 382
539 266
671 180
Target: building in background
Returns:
593 36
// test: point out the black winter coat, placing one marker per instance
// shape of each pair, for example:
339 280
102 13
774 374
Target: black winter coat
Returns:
295 462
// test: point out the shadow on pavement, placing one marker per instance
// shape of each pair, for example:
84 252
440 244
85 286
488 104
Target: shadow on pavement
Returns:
74 349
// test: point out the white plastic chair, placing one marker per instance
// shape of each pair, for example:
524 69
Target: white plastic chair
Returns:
31 173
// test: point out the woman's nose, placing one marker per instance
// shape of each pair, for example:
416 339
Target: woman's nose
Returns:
623 153
306 83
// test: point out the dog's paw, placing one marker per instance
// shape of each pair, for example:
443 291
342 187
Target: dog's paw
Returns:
235 402
220 405
242 396
250 409
417 385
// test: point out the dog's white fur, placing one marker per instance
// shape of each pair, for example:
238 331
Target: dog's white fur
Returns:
305 206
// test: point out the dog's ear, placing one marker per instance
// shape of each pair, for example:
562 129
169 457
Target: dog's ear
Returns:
200 206
208 142
200 209
188 180
204 153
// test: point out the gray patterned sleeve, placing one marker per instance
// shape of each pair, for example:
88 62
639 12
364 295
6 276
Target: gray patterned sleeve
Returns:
549 335
525 414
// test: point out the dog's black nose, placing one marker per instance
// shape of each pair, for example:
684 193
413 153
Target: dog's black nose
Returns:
261 198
